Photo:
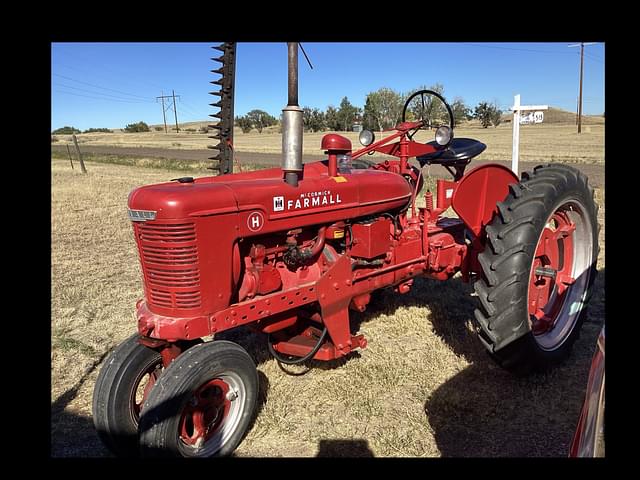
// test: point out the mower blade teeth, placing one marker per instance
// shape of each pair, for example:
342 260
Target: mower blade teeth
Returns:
224 127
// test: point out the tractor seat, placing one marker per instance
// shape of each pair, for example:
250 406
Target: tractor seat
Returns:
459 152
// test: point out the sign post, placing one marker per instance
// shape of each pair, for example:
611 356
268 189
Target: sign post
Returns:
538 117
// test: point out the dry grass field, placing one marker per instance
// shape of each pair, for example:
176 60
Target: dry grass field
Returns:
422 388
538 143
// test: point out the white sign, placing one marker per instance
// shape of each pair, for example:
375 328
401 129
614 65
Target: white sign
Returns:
531 117
517 116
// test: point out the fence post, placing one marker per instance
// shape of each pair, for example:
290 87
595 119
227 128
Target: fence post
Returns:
75 141
70 158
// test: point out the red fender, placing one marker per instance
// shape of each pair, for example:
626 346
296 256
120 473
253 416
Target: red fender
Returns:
476 197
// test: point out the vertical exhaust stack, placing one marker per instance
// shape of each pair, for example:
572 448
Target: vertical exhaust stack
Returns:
292 124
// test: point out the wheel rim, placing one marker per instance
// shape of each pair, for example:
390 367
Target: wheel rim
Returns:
560 273
211 415
143 384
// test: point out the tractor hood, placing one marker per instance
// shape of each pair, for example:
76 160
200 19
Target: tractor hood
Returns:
318 197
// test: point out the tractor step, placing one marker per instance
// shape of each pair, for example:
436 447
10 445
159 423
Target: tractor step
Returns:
300 345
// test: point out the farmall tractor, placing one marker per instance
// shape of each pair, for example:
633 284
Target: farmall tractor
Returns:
290 251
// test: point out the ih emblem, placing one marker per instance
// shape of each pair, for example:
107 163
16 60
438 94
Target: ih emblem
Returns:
255 221
278 204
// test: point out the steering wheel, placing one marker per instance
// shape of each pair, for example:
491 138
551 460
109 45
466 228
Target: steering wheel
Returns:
432 114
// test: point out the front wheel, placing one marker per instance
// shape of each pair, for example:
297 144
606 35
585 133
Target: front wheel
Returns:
538 269
128 374
202 405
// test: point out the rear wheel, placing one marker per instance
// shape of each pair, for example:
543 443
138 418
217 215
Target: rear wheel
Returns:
538 269
202 405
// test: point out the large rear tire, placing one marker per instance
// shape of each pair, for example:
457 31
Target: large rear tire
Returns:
203 403
538 269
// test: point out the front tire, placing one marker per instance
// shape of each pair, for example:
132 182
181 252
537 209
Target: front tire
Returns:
538 269
203 403
128 374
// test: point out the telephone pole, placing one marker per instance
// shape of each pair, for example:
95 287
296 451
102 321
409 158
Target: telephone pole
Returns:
582 44
175 114
174 109
164 117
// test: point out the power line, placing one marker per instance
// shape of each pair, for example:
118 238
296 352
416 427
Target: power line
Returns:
191 107
98 98
100 93
593 57
98 86
87 61
516 49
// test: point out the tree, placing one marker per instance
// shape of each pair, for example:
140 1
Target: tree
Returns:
261 119
487 113
331 118
382 109
137 127
306 118
482 112
313 119
318 121
461 112
245 123
496 115
432 110
347 114
65 131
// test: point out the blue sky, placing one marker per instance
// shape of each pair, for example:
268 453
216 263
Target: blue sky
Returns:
113 84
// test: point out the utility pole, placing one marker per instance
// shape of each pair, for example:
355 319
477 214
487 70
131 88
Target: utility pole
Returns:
164 117
174 109
582 44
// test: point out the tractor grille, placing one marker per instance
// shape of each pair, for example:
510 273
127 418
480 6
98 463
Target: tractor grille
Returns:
169 258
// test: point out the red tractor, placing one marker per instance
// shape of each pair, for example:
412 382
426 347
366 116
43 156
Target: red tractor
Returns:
289 251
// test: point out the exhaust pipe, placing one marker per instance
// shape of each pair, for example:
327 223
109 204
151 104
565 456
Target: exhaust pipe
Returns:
292 124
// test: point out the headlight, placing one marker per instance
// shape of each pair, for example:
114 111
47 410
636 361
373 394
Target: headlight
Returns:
443 135
366 137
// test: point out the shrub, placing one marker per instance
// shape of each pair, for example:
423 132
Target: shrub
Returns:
66 131
98 130
137 127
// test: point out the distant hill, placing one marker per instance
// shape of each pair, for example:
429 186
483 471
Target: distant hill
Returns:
557 115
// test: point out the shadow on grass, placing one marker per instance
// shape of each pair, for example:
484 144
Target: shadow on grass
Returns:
484 411
73 435
344 448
